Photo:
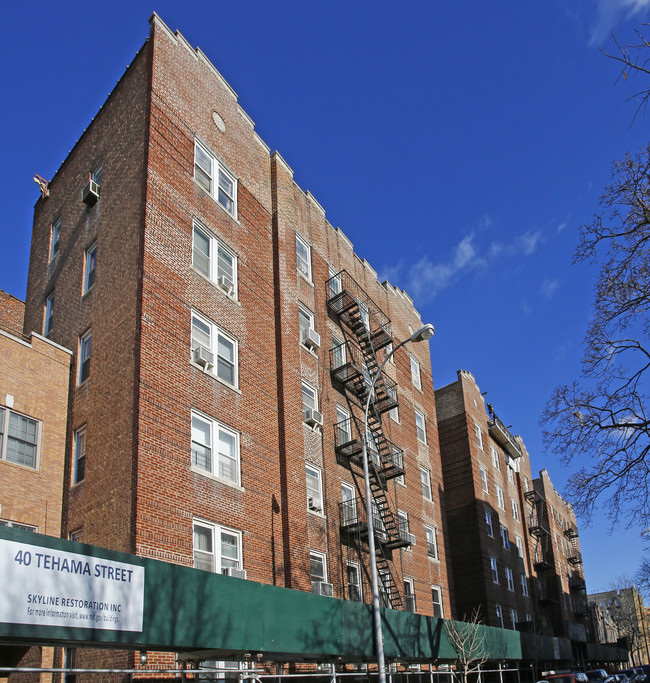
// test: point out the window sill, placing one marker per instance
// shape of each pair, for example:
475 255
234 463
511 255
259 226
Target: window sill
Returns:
214 477
216 377
321 515
309 281
311 352
233 216
315 428
232 297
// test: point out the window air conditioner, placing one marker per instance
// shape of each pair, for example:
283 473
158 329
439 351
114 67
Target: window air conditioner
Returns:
322 588
226 284
90 193
313 505
310 338
313 418
201 356
237 573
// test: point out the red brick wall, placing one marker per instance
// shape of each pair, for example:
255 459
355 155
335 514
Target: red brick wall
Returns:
12 313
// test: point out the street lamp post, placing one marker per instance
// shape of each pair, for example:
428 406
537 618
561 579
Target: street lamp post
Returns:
422 334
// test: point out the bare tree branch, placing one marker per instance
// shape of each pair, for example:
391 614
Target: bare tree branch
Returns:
468 639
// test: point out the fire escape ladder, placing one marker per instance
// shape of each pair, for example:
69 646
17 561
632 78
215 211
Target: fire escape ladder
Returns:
572 535
388 590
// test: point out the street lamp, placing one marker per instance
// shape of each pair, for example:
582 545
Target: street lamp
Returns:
422 334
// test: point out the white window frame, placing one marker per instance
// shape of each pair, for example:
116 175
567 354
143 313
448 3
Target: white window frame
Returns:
79 455
322 558
505 540
90 259
479 435
218 176
343 416
524 585
305 316
515 509
217 556
420 426
501 502
96 175
218 254
514 618
520 545
20 437
336 286
55 239
432 542
496 463
356 568
314 492
510 581
499 612
436 590
85 350
488 523
393 413
18 525
409 591
303 261
217 337
511 474
309 388
416 377
484 481
388 352
494 568
425 479
403 525
216 431
48 320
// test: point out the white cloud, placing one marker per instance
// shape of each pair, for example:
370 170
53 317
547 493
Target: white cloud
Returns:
529 241
609 13
525 307
549 287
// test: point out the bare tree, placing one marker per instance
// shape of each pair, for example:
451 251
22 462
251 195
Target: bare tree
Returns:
626 609
601 420
635 60
468 639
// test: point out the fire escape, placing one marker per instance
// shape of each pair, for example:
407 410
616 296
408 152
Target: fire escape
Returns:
577 584
543 558
353 364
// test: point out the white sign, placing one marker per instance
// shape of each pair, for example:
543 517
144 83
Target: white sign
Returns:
51 587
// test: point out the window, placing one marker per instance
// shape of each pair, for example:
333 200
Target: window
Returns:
303 257
348 504
426 483
90 266
524 585
479 435
96 176
499 615
488 522
432 542
216 548
500 500
354 582
509 580
223 350
215 449
55 237
318 568
415 373
420 426
515 509
314 489
338 352
505 541
214 260
388 353
343 426
17 525
76 535
79 467
49 312
215 179
484 480
334 283
514 618
495 458
520 545
511 474
436 598
18 438
84 357
309 397
306 323
494 568
409 595
404 531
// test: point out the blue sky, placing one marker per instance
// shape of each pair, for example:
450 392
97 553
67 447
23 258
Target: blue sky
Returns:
459 145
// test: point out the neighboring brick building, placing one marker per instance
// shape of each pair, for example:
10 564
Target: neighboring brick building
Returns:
223 334
516 553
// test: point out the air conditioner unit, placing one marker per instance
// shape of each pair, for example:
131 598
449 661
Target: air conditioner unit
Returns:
226 284
313 505
322 588
236 573
313 418
310 338
201 356
90 193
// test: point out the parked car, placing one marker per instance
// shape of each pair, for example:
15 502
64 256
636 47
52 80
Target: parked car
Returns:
597 676
576 677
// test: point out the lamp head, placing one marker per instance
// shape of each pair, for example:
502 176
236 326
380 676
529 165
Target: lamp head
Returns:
423 333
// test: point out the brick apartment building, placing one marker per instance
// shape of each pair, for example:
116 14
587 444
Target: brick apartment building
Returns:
516 553
223 335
